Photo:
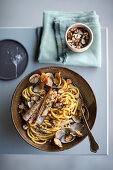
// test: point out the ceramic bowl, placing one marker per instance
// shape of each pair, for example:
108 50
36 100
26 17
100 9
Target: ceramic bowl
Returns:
85 90
85 27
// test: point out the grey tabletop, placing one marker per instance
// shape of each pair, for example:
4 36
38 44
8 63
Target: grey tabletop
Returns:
10 140
29 13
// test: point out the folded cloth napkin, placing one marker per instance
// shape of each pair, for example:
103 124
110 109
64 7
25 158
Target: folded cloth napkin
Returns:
53 47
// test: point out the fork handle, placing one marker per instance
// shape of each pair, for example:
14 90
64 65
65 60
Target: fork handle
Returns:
93 144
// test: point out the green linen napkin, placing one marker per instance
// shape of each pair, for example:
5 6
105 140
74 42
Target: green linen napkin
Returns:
53 46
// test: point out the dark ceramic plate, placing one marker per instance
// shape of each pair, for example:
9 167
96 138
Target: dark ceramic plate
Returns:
13 59
85 90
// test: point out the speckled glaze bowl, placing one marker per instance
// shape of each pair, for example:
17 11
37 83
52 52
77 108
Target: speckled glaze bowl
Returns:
85 90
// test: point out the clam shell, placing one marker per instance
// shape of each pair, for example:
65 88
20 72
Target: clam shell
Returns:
76 119
57 79
50 79
34 78
77 126
59 134
37 88
35 97
66 122
67 139
57 142
65 133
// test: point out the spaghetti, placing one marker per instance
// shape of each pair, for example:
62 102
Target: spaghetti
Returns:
49 109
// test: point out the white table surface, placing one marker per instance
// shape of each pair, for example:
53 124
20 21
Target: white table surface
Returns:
29 13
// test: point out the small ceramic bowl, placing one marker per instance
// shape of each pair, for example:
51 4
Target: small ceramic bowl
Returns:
90 35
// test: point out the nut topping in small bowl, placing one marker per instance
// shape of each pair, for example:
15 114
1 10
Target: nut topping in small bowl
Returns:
79 37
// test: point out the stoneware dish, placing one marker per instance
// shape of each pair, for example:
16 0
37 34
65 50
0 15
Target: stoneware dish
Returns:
85 27
85 90
13 59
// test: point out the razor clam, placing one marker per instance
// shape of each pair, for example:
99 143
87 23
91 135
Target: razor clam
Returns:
32 110
39 120
45 112
32 118
42 115
30 103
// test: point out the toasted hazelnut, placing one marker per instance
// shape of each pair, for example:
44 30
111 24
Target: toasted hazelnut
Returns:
78 37
69 35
